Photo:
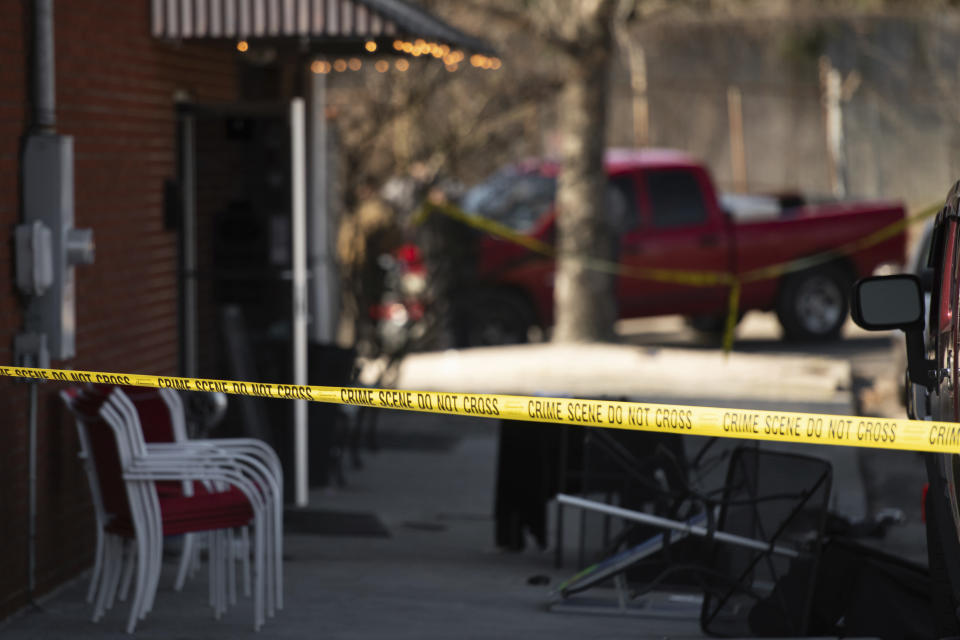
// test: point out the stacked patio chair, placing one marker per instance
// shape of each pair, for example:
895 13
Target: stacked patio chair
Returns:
158 427
233 484
157 408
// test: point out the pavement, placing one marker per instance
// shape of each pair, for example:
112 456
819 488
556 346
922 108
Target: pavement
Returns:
425 566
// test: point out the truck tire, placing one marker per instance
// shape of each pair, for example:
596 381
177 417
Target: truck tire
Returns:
813 304
492 318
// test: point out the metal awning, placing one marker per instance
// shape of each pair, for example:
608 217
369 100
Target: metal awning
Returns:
332 21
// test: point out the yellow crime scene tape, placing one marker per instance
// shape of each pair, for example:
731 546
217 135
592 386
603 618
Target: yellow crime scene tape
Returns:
692 278
775 426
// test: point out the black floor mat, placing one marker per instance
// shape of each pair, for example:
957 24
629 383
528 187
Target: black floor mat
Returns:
326 522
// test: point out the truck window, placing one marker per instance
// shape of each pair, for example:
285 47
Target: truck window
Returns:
675 198
519 200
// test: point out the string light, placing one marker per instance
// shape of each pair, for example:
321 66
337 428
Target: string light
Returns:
320 66
242 46
416 48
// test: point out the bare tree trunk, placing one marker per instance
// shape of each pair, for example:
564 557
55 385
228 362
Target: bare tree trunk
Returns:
584 301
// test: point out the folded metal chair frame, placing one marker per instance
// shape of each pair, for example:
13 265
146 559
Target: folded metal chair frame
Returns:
799 506
227 484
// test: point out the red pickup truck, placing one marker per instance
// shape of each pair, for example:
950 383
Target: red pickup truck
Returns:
666 214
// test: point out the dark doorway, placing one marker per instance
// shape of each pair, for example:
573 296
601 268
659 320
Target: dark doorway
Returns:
235 276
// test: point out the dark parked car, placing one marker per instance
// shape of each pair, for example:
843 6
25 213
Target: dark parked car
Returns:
926 306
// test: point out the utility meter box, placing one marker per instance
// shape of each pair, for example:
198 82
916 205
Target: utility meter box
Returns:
48 199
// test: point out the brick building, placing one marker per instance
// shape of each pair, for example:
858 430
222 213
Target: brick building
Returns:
140 87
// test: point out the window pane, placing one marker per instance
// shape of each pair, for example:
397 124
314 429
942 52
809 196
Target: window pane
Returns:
676 198
517 200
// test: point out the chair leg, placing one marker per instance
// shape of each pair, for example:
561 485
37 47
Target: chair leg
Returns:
259 575
278 552
186 557
220 573
231 568
154 568
245 559
116 568
225 564
137 609
210 571
154 559
197 563
97 566
269 577
129 561
109 557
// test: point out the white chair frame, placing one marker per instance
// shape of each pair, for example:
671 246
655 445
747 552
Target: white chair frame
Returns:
247 464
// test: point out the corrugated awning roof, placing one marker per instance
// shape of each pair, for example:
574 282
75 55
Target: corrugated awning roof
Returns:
334 20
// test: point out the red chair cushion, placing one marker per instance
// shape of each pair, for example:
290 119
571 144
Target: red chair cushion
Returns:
201 512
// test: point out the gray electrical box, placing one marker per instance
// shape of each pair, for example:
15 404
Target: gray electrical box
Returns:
48 199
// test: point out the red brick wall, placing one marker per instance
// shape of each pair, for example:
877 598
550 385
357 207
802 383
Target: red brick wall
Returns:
13 440
114 89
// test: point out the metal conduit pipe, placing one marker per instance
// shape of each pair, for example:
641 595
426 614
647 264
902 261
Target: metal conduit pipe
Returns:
44 96
43 121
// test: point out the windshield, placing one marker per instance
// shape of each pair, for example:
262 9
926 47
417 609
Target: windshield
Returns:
512 198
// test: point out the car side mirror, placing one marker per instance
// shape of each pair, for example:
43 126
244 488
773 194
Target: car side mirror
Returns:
881 303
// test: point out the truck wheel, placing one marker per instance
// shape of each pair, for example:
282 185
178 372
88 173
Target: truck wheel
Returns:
493 318
813 304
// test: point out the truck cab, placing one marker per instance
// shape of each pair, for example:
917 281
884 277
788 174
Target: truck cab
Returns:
665 217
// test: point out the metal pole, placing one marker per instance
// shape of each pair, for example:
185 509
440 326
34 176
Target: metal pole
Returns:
676 525
322 285
298 162
44 120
